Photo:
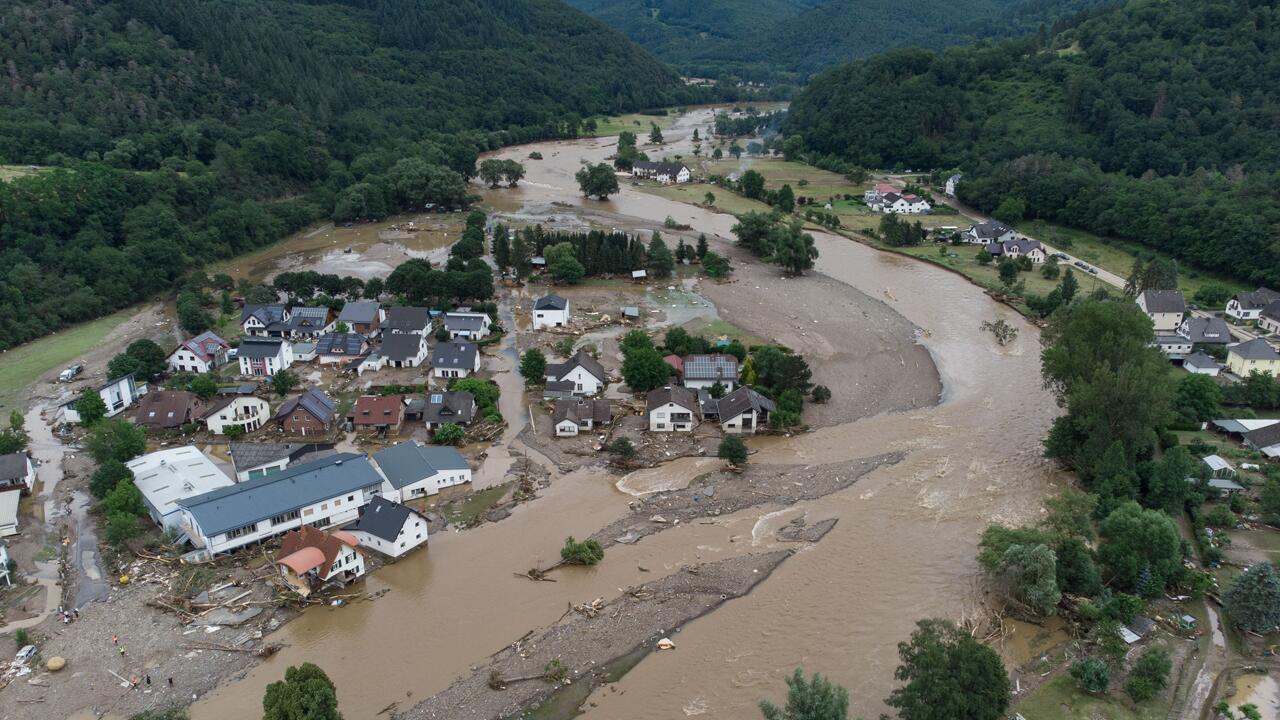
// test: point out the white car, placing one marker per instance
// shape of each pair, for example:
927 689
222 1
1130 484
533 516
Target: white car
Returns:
70 373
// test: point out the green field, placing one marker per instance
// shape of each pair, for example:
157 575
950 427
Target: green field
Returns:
818 183
1060 700
694 194
23 365
9 172
635 122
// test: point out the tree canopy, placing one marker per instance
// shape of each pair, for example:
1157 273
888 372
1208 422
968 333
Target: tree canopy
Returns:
948 675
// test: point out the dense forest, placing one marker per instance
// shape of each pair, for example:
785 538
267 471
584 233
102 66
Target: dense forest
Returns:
787 40
170 132
1154 123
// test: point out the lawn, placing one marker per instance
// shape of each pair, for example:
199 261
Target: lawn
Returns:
635 122
988 276
23 365
804 179
1060 700
694 194
9 172
715 330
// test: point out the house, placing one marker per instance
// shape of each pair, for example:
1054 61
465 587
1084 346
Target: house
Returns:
404 350
550 311
413 470
1016 248
319 493
1175 346
247 412
253 460
467 325
1265 440
116 394
309 323
1257 354
455 359
630 313
264 320
17 471
1223 485
665 173
1269 317
952 182
743 411
364 318
1164 307
585 372
556 390
985 233
370 361
451 406
377 414
875 195
167 477
336 347
574 415
672 409
1249 305
538 264
389 527
407 320
704 371
309 559
199 354
168 409
1218 466
677 364
1205 330
1201 364
905 203
263 357
9 512
310 413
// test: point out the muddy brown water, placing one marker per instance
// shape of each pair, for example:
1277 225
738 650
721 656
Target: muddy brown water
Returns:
903 549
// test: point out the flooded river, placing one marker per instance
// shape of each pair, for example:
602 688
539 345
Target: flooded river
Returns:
903 549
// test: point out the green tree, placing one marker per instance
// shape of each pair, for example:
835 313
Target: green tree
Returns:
204 385
655 134
716 266
1150 675
512 172
709 199
702 247
633 340
623 449
1070 514
90 406
587 552
1092 675
785 199
1197 398
751 184
644 369
1032 571
948 675
597 181
106 476
306 693
1167 488
283 382
733 450
660 262
563 263
1137 542
491 171
121 527
116 439
449 434
192 316
1008 272
1253 600
1011 210
983 257
816 699
533 366
794 249
123 498
143 357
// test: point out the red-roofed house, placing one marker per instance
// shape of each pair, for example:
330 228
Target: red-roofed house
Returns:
377 413
311 558
676 362
200 354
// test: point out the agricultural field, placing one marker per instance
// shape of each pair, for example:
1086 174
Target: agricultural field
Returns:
637 123
23 365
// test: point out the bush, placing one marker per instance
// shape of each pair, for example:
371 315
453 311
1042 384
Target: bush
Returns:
106 477
121 527
821 394
732 450
623 449
1220 516
22 637
1149 676
587 552
1092 675
449 434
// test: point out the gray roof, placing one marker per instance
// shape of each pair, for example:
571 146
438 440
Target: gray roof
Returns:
1263 436
742 400
246 388
455 406
990 229
290 489
382 518
359 312
410 462
1022 245
630 311
401 346
407 319
256 348
1164 301
308 319
455 322
1257 299
1200 360
682 396
1255 349
1271 311
13 466
550 302
588 363
247 455
1219 484
314 401
266 314
340 344
1210 330
455 354
661 168
710 367
576 410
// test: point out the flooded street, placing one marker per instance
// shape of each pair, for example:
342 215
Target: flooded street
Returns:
903 548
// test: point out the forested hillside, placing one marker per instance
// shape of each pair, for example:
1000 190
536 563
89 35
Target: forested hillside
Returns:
785 40
1155 122
169 131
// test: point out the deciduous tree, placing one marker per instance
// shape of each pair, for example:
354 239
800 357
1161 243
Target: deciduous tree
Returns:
816 699
306 693
948 675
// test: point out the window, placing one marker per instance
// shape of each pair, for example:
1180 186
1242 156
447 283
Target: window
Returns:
351 498
324 506
286 517
242 530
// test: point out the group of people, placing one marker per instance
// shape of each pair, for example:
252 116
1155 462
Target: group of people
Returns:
68 615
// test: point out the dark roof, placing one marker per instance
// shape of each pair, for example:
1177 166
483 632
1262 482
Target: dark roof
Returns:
1211 330
401 346
710 406
384 519
256 348
1257 299
266 314
550 302
407 319
660 168
246 388
1200 360
347 343
308 319
559 386
455 406
682 396
1164 301
167 408
455 354
205 346
13 466
588 363
408 462
578 409
710 367
1255 349
313 401
990 229
468 321
218 511
246 455
742 400
359 312
1271 311
1263 436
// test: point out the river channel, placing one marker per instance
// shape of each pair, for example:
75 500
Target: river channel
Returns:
903 549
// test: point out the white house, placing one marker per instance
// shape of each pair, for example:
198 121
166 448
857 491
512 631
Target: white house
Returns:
17 471
412 470
247 412
743 411
1164 307
467 325
408 320
952 182
404 350
704 371
263 357
988 232
550 311
1175 346
665 173
574 415
1269 317
320 493
389 527
455 359
200 354
9 512
1017 248
308 323
876 194
582 374
310 559
672 409
904 204
1248 305
167 477
1201 364
117 394
264 320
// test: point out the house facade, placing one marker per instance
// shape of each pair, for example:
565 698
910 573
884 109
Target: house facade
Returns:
413 470
116 394
167 477
574 415
1017 248
264 357
200 354
550 311
455 359
985 233
309 323
672 409
404 350
952 182
389 527
17 471
904 204
246 412
1269 317
585 373
1201 364
467 325
1205 330
1254 356
665 173
1165 308
876 194
264 320
744 411
1248 305
311 559
311 413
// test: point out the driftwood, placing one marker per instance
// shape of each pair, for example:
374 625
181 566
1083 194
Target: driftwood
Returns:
535 574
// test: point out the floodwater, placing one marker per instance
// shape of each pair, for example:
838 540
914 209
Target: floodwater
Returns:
1262 691
903 549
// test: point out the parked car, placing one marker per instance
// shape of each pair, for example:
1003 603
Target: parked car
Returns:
70 373
1060 256
1092 270
1079 264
